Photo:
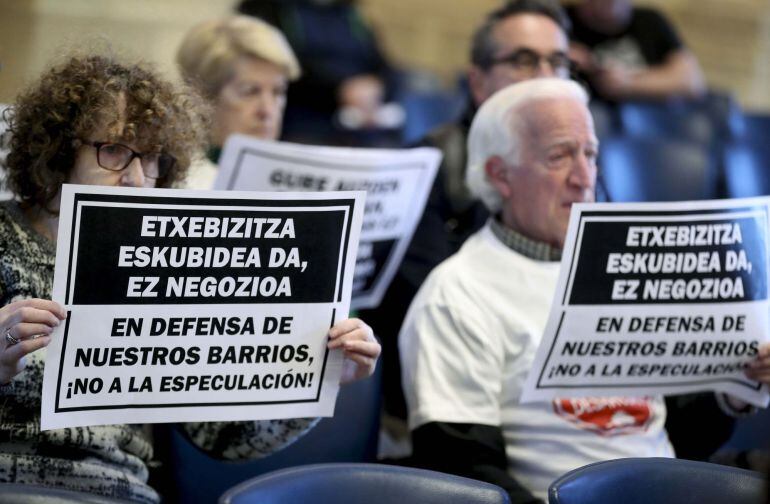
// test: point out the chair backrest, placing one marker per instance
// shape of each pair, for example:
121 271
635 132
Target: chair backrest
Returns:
428 109
357 483
350 436
636 169
689 122
658 480
747 169
751 432
751 127
606 123
32 494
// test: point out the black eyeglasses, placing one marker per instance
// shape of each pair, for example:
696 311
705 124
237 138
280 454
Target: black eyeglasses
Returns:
117 157
527 60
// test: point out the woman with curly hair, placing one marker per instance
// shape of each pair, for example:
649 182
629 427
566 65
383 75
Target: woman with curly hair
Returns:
93 120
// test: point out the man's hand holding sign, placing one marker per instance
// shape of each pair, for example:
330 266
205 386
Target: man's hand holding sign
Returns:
759 368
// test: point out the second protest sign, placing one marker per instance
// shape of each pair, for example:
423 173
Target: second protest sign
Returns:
657 299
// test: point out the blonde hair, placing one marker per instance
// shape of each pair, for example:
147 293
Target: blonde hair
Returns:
498 125
209 50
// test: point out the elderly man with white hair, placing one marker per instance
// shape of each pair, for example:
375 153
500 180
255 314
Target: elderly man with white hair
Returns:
471 333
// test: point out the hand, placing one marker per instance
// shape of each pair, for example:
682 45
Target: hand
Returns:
29 321
582 57
759 368
361 95
614 82
359 346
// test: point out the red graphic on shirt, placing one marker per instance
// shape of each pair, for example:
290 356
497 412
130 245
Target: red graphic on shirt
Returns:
607 416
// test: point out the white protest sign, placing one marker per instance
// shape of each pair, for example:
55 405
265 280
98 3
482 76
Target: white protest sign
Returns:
397 184
198 305
657 298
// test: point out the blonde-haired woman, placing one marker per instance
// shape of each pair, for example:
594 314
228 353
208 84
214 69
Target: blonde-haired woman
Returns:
243 67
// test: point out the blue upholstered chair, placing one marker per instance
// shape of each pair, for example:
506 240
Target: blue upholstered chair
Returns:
640 169
363 483
747 169
427 109
658 481
752 432
662 120
751 127
13 493
606 122
350 436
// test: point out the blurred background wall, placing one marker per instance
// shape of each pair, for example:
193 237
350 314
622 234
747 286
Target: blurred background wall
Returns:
730 38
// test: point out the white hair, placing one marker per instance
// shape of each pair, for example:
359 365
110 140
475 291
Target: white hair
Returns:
497 129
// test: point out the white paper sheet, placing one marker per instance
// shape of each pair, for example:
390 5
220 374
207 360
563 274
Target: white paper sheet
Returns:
397 183
657 298
198 305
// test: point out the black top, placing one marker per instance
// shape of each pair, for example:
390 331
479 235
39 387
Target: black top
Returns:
647 40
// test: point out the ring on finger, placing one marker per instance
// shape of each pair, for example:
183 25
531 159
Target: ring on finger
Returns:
10 339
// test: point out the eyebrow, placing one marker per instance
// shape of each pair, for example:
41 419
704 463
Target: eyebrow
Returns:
533 51
567 142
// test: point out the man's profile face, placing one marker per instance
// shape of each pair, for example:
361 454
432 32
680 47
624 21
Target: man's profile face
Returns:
534 33
557 167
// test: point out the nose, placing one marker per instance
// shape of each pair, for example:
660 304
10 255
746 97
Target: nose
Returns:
267 106
583 173
545 69
133 175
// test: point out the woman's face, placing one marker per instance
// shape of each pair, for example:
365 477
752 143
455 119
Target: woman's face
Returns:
252 101
99 164
105 162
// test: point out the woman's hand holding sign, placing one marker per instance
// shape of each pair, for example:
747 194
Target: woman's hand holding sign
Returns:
25 327
361 349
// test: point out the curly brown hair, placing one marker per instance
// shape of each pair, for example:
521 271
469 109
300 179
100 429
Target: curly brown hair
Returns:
91 95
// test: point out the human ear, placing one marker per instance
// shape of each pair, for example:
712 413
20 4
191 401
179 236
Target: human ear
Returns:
477 84
497 171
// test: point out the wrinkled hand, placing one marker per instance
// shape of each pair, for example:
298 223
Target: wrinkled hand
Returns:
30 322
360 348
759 368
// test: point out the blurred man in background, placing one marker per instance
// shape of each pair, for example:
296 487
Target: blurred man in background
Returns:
521 40
629 52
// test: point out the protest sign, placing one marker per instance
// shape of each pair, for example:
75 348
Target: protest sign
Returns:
197 306
657 298
397 184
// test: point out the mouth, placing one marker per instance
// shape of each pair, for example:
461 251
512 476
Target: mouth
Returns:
262 131
569 203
